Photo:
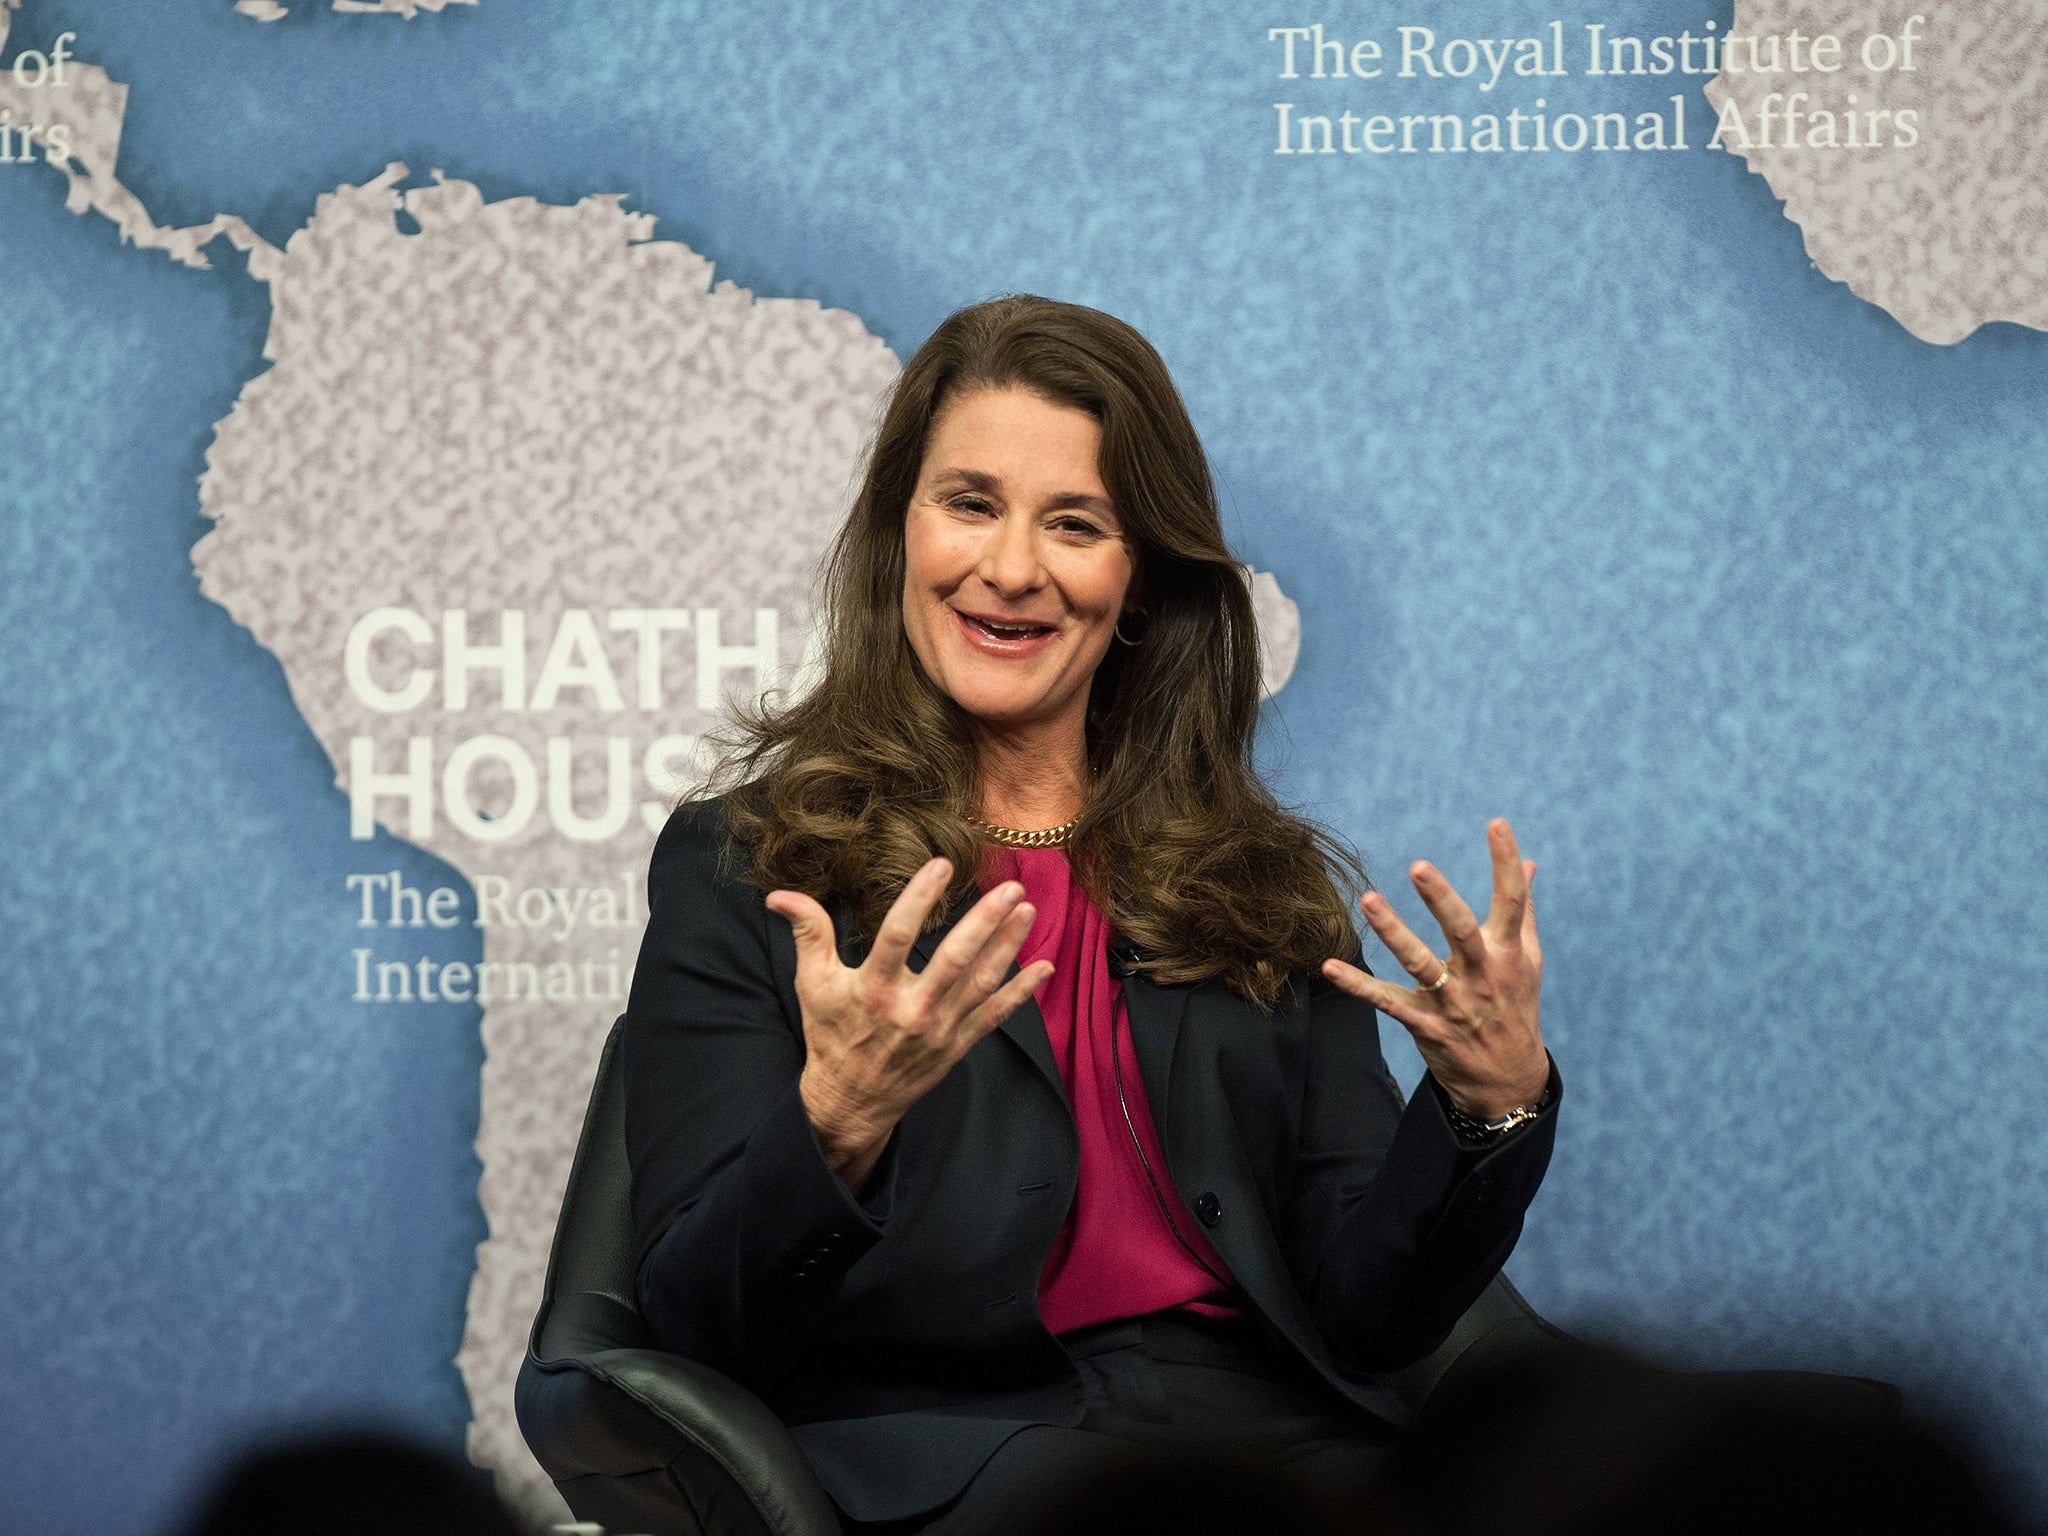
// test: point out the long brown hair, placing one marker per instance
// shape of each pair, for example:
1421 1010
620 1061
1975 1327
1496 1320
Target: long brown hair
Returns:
853 786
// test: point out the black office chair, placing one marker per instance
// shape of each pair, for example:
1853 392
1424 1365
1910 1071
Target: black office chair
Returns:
640 1440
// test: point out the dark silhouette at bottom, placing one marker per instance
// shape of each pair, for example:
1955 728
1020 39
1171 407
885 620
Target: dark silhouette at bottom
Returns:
1571 1440
1560 1439
357 1484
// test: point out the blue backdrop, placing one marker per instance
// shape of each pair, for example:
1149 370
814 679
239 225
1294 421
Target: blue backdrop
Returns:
1604 509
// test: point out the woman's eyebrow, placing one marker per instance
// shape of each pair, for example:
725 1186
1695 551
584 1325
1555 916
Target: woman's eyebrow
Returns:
971 479
1082 501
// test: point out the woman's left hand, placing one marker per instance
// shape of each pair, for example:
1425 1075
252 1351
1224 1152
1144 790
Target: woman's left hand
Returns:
1473 1016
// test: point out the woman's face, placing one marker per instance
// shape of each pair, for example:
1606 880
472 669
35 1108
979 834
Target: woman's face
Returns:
1015 568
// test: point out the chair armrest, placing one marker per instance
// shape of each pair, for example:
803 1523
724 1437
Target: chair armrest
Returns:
1499 1324
622 1413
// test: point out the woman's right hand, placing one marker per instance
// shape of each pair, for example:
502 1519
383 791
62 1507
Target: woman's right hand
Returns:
879 1036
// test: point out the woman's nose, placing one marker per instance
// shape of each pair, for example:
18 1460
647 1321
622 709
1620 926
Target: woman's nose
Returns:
1009 560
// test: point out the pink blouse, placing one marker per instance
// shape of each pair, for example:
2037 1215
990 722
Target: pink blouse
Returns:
1115 1257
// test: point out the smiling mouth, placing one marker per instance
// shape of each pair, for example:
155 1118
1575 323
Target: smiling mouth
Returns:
1005 631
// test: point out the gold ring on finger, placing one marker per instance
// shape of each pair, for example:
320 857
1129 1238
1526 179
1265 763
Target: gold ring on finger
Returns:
1442 976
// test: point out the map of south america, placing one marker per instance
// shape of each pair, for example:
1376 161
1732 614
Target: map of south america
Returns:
523 496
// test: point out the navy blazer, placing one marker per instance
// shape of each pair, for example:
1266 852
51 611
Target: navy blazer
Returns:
898 1334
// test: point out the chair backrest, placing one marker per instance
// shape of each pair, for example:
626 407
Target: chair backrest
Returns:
588 1304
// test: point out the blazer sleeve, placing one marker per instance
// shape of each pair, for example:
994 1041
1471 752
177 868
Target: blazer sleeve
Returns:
742 1231
1395 1227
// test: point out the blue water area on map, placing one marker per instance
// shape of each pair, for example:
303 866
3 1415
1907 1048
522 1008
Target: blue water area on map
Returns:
1604 509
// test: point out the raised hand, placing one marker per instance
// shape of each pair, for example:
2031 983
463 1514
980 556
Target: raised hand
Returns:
1473 1015
879 1036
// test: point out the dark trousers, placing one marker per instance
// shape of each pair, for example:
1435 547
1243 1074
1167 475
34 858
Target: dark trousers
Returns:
1190 1426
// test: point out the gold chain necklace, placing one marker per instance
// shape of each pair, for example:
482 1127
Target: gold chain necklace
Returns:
1010 837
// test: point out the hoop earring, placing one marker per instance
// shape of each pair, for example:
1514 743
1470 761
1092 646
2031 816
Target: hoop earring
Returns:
1117 629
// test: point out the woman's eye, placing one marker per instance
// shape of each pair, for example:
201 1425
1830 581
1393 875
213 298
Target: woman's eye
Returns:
973 504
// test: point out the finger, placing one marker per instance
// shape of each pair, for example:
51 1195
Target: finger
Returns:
987 968
1461 928
1529 943
1415 957
817 948
905 919
1510 881
1397 1003
958 950
1005 1000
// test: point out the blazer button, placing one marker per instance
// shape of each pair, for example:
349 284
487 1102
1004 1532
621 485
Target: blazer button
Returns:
1209 1208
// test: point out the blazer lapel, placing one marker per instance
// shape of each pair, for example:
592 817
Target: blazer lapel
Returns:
1155 1014
1026 1030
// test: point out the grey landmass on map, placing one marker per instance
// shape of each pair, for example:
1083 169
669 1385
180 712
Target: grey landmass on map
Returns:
1949 233
270 10
93 107
1279 631
406 8
535 410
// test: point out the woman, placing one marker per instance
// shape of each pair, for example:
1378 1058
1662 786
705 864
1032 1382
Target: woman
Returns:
1004 1092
